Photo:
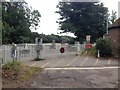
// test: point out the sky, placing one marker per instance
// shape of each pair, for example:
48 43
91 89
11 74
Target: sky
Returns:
48 18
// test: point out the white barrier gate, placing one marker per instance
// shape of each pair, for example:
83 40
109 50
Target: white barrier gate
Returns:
28 51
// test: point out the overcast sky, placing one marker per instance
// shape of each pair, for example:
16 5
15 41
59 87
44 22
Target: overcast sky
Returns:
48 19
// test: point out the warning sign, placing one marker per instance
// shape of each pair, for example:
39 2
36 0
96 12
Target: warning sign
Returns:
62 50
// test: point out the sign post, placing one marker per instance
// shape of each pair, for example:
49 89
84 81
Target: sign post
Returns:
88 39
39 47
14 51
88 45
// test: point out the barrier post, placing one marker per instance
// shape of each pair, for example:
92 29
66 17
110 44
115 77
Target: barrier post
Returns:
98 53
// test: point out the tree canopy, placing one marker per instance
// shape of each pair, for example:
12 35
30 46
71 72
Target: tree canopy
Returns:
17 19
49 38
83 18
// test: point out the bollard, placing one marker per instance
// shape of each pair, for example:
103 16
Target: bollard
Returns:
98 53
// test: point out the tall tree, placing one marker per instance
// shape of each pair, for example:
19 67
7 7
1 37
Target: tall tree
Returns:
82 18
17 19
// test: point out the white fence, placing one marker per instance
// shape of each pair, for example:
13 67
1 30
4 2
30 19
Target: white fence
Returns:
28 51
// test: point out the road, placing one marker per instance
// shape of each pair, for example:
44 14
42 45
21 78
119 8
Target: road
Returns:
71 71
71 60
77 78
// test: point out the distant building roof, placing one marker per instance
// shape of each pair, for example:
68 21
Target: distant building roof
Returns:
116 24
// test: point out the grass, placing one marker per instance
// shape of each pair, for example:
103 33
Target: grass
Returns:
27 72
18 72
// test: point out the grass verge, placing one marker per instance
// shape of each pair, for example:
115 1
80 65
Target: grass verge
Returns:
16 71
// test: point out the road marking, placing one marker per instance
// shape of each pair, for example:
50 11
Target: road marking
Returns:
46 64
84 68
72 61
109 61
84 61
58 62
33 64
96 61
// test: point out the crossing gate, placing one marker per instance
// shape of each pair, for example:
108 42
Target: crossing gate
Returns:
28 51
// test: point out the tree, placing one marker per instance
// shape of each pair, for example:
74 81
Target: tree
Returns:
17 20
82 18
49 38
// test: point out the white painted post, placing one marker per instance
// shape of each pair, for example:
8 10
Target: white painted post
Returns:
26 46
98 53
53 46
78 48
41 48
41 41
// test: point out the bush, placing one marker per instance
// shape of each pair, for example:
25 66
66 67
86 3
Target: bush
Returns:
104 47
91 51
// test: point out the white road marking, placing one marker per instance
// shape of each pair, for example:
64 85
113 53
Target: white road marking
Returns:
96 61
33 64
72 61
84 61
109 61
84 68
46 64
58 62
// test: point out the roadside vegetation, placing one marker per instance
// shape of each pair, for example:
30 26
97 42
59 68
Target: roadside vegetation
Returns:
15 31
104 47
15 72
90 51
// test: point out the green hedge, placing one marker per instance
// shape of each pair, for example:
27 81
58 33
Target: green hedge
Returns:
104 47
